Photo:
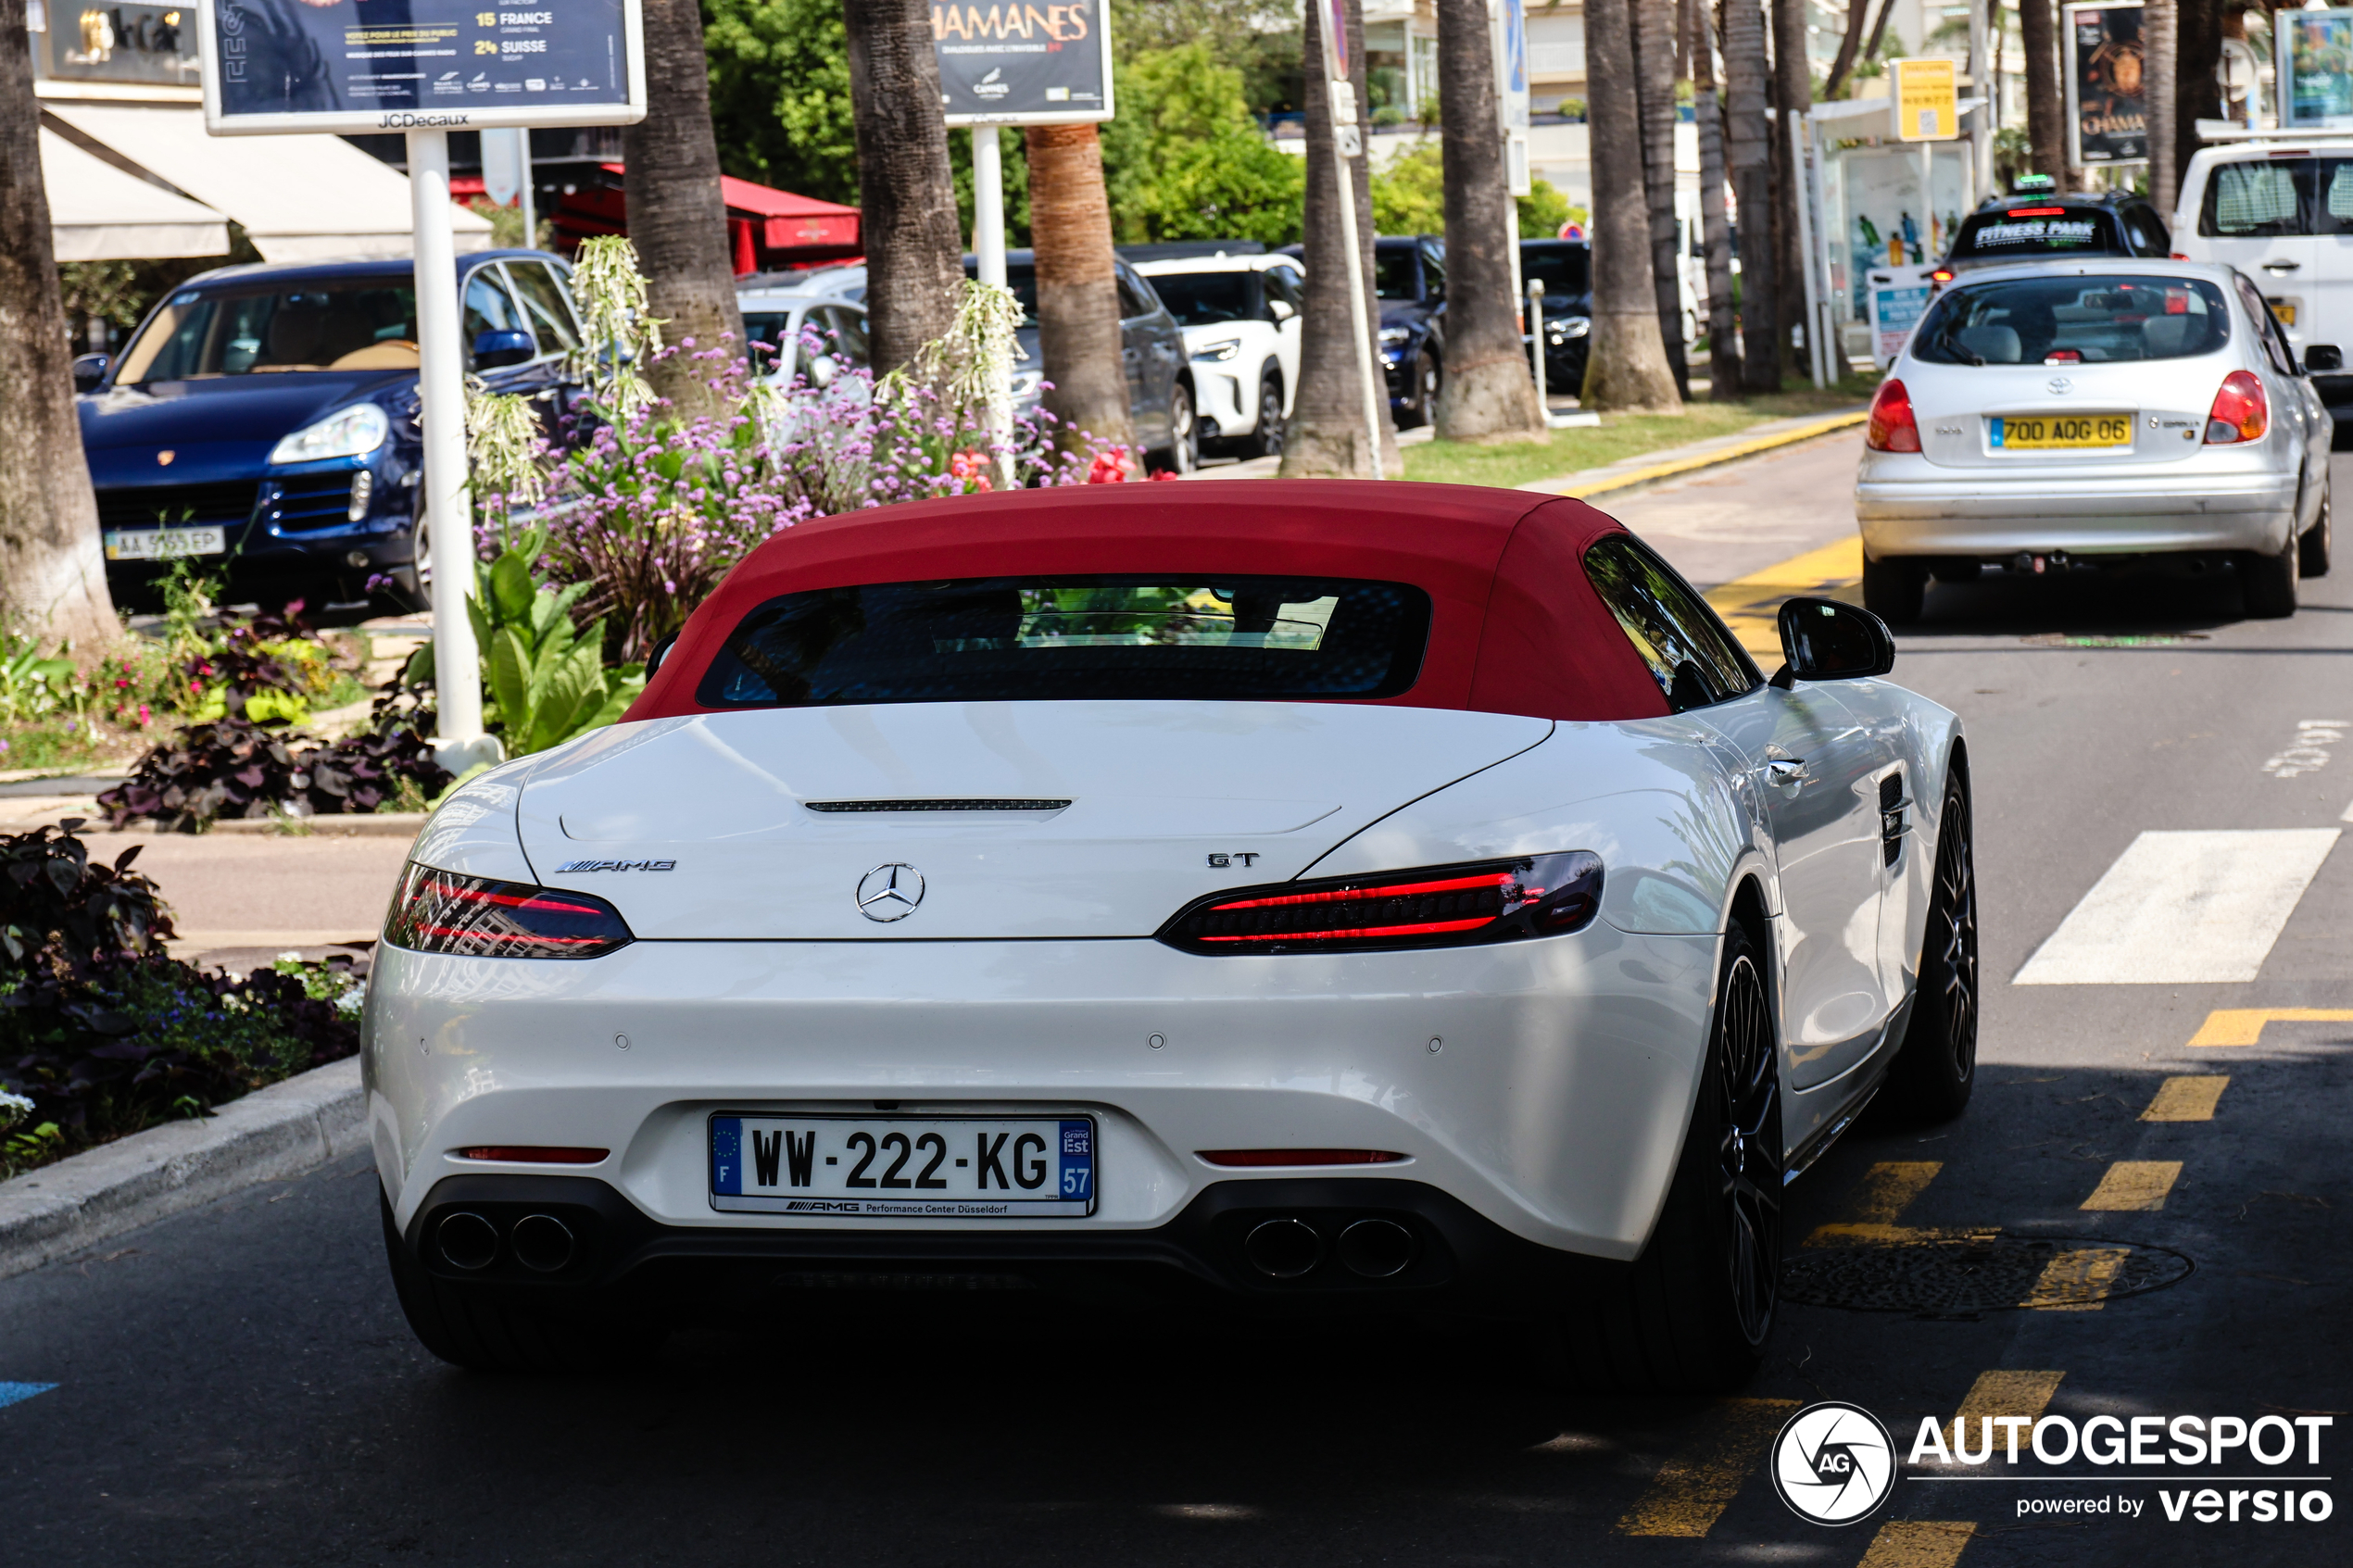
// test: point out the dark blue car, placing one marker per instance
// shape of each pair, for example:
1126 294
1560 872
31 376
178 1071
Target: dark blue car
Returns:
264 420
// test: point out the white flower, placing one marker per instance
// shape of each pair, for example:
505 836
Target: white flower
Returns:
14 1108
290 955
352 1000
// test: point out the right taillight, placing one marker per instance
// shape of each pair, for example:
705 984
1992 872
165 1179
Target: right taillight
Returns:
1427 907
1893 427
437 911
2240 411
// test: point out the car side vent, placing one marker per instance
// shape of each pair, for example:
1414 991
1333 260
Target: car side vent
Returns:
988 805
1893 808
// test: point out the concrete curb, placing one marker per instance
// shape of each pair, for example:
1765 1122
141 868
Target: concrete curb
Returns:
1610 483
280 1131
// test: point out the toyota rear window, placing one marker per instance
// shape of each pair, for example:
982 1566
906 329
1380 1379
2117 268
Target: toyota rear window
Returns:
2038 230
1007 639
2073 321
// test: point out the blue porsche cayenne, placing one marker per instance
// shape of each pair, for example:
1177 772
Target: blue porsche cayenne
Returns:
264 420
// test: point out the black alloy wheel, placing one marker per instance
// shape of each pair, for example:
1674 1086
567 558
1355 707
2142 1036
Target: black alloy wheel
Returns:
1937 1068
1748 1148
1267 438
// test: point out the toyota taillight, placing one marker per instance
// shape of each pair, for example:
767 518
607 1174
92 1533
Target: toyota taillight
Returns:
437 911
2240 411
1893 427
1431 907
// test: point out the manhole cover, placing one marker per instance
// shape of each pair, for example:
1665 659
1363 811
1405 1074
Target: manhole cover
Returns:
1961 1276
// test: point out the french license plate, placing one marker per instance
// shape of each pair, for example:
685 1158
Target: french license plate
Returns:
162 544
2284 310
933 1168
2061 432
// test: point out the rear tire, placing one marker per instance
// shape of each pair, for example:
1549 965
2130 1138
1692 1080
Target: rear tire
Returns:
472 1327
1937 1067
1693 1313
1422 384
1182 454
2312 550
1266 440
1896 591
2267 584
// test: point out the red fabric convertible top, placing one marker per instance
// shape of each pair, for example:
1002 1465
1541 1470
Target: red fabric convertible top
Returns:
1515 627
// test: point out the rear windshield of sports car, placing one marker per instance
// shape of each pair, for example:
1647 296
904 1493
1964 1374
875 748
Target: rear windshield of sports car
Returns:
2038 230
1004 639
2073 321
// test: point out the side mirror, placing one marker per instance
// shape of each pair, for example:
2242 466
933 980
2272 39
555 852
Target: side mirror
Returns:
1279 310
1824 640
661 651
89 369
506 347
2324 358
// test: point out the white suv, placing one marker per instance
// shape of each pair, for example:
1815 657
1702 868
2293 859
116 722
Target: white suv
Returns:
1240 319
2281 211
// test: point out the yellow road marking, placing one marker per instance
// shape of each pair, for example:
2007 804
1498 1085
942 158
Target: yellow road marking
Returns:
2006 1393
2187 1099
1691 1490
1886 1190
1721 454
2244 1026
1917 1543
1751 604
2134 1185
2078 1280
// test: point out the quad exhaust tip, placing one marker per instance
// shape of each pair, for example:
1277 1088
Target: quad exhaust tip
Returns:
541 1242
1289 1248
468 1241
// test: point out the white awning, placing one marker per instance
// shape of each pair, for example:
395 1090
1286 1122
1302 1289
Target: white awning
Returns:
300 198
100 213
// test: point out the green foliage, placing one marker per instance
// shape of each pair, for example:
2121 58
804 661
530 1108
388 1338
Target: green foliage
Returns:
780 94
1409 197
1543 210
1260 42
1185 161
33 688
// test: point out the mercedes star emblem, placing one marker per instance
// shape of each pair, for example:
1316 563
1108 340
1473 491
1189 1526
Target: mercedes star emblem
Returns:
890 892
2060 386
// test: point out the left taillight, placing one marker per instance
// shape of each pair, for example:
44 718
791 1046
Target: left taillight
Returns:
1429 907
1892 428
437 911
2241 412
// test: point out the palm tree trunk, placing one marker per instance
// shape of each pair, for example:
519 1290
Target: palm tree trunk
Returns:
2045 117
1748 152
2160 63
1327 438
2197 53
1654 53
1792 91
677 220
914 251
1849 42
1627 368
1715 238
1489 393
1077 291
53 574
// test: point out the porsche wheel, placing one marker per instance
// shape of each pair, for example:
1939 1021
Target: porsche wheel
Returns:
1696 1308
1937 1066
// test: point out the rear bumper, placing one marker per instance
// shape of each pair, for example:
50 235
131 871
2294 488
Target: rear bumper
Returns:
2106 515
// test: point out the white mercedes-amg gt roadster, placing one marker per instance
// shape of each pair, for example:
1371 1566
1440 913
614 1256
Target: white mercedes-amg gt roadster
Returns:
1299 897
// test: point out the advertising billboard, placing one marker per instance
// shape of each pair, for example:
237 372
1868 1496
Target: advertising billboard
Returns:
1004 62
412 64
2107 121
2316 70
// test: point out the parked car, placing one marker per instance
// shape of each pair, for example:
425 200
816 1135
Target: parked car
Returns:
2283 215
1160 383
1240 319
1565 269
779 324
1409 275
2028 225
264 419
2054 415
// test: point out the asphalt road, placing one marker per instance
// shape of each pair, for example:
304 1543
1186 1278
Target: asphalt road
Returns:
235 1386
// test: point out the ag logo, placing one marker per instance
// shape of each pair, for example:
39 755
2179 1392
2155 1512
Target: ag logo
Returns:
1834 1462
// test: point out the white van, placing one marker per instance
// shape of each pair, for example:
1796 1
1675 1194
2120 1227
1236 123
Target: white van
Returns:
2281 211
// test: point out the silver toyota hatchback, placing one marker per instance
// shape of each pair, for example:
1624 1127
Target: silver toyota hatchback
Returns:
2087 413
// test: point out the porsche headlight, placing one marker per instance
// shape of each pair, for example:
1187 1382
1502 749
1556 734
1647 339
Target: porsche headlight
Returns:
1221 349
1429 907
351 432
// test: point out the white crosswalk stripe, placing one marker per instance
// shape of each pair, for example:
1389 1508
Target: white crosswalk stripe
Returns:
2184 908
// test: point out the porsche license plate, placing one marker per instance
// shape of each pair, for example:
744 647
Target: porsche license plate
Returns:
2061 432
904 1167
162 544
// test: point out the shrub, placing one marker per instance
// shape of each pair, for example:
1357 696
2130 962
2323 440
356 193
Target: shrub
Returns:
234 768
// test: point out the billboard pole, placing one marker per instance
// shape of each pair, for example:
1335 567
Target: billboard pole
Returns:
989 254
448 498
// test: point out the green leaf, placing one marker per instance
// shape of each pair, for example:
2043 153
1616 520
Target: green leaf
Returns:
480 618
510 681
511 588
419 670
574 689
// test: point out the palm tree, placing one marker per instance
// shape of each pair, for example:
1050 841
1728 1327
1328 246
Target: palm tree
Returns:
1748 129
2198 55
1489 392
1792 90
2161 61
2045 123
1326 437
1655 51
907 198
1627 369
677 220
1077 291
53 575
1715 238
